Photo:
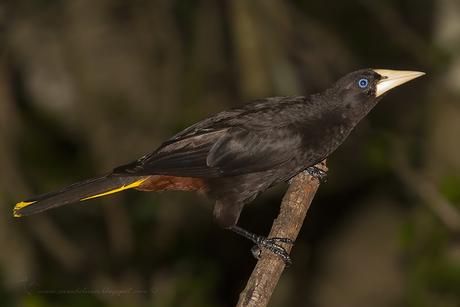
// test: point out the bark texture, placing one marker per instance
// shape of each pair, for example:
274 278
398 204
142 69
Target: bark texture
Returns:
269 268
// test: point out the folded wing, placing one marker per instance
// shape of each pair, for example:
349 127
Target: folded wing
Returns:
225 152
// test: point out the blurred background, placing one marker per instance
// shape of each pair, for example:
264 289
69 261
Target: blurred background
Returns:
88 85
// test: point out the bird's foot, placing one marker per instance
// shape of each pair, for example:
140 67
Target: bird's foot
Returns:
317 173
271 244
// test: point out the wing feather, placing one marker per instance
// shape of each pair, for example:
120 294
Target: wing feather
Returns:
231 143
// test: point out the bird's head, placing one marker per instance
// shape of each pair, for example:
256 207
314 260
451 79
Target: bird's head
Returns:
358 92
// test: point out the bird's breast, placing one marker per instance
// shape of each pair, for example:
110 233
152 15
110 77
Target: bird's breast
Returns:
322 136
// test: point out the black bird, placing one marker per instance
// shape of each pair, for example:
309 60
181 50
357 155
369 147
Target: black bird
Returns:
236 154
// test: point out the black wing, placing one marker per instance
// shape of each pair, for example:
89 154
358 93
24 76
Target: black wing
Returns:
242 151
185 157
235 142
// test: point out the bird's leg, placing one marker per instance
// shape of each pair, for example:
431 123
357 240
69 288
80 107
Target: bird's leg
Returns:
317 173
268 243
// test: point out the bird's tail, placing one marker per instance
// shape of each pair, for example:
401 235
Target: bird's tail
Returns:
80 191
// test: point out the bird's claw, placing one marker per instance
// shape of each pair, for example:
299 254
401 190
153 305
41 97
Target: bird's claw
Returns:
278 239
317 173
272 245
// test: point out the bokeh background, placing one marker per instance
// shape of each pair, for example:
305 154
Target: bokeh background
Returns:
88 85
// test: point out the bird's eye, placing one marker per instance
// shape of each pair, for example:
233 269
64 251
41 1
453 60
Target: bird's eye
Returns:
363 83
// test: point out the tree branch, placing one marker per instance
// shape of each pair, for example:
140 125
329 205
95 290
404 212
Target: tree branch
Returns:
268 269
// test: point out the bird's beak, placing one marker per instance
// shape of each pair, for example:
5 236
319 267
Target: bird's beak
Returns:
393 78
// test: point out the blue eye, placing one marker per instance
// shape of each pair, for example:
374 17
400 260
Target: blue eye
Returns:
363 83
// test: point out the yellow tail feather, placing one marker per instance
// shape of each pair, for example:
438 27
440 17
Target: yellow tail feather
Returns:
24 204
20 205
122 188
